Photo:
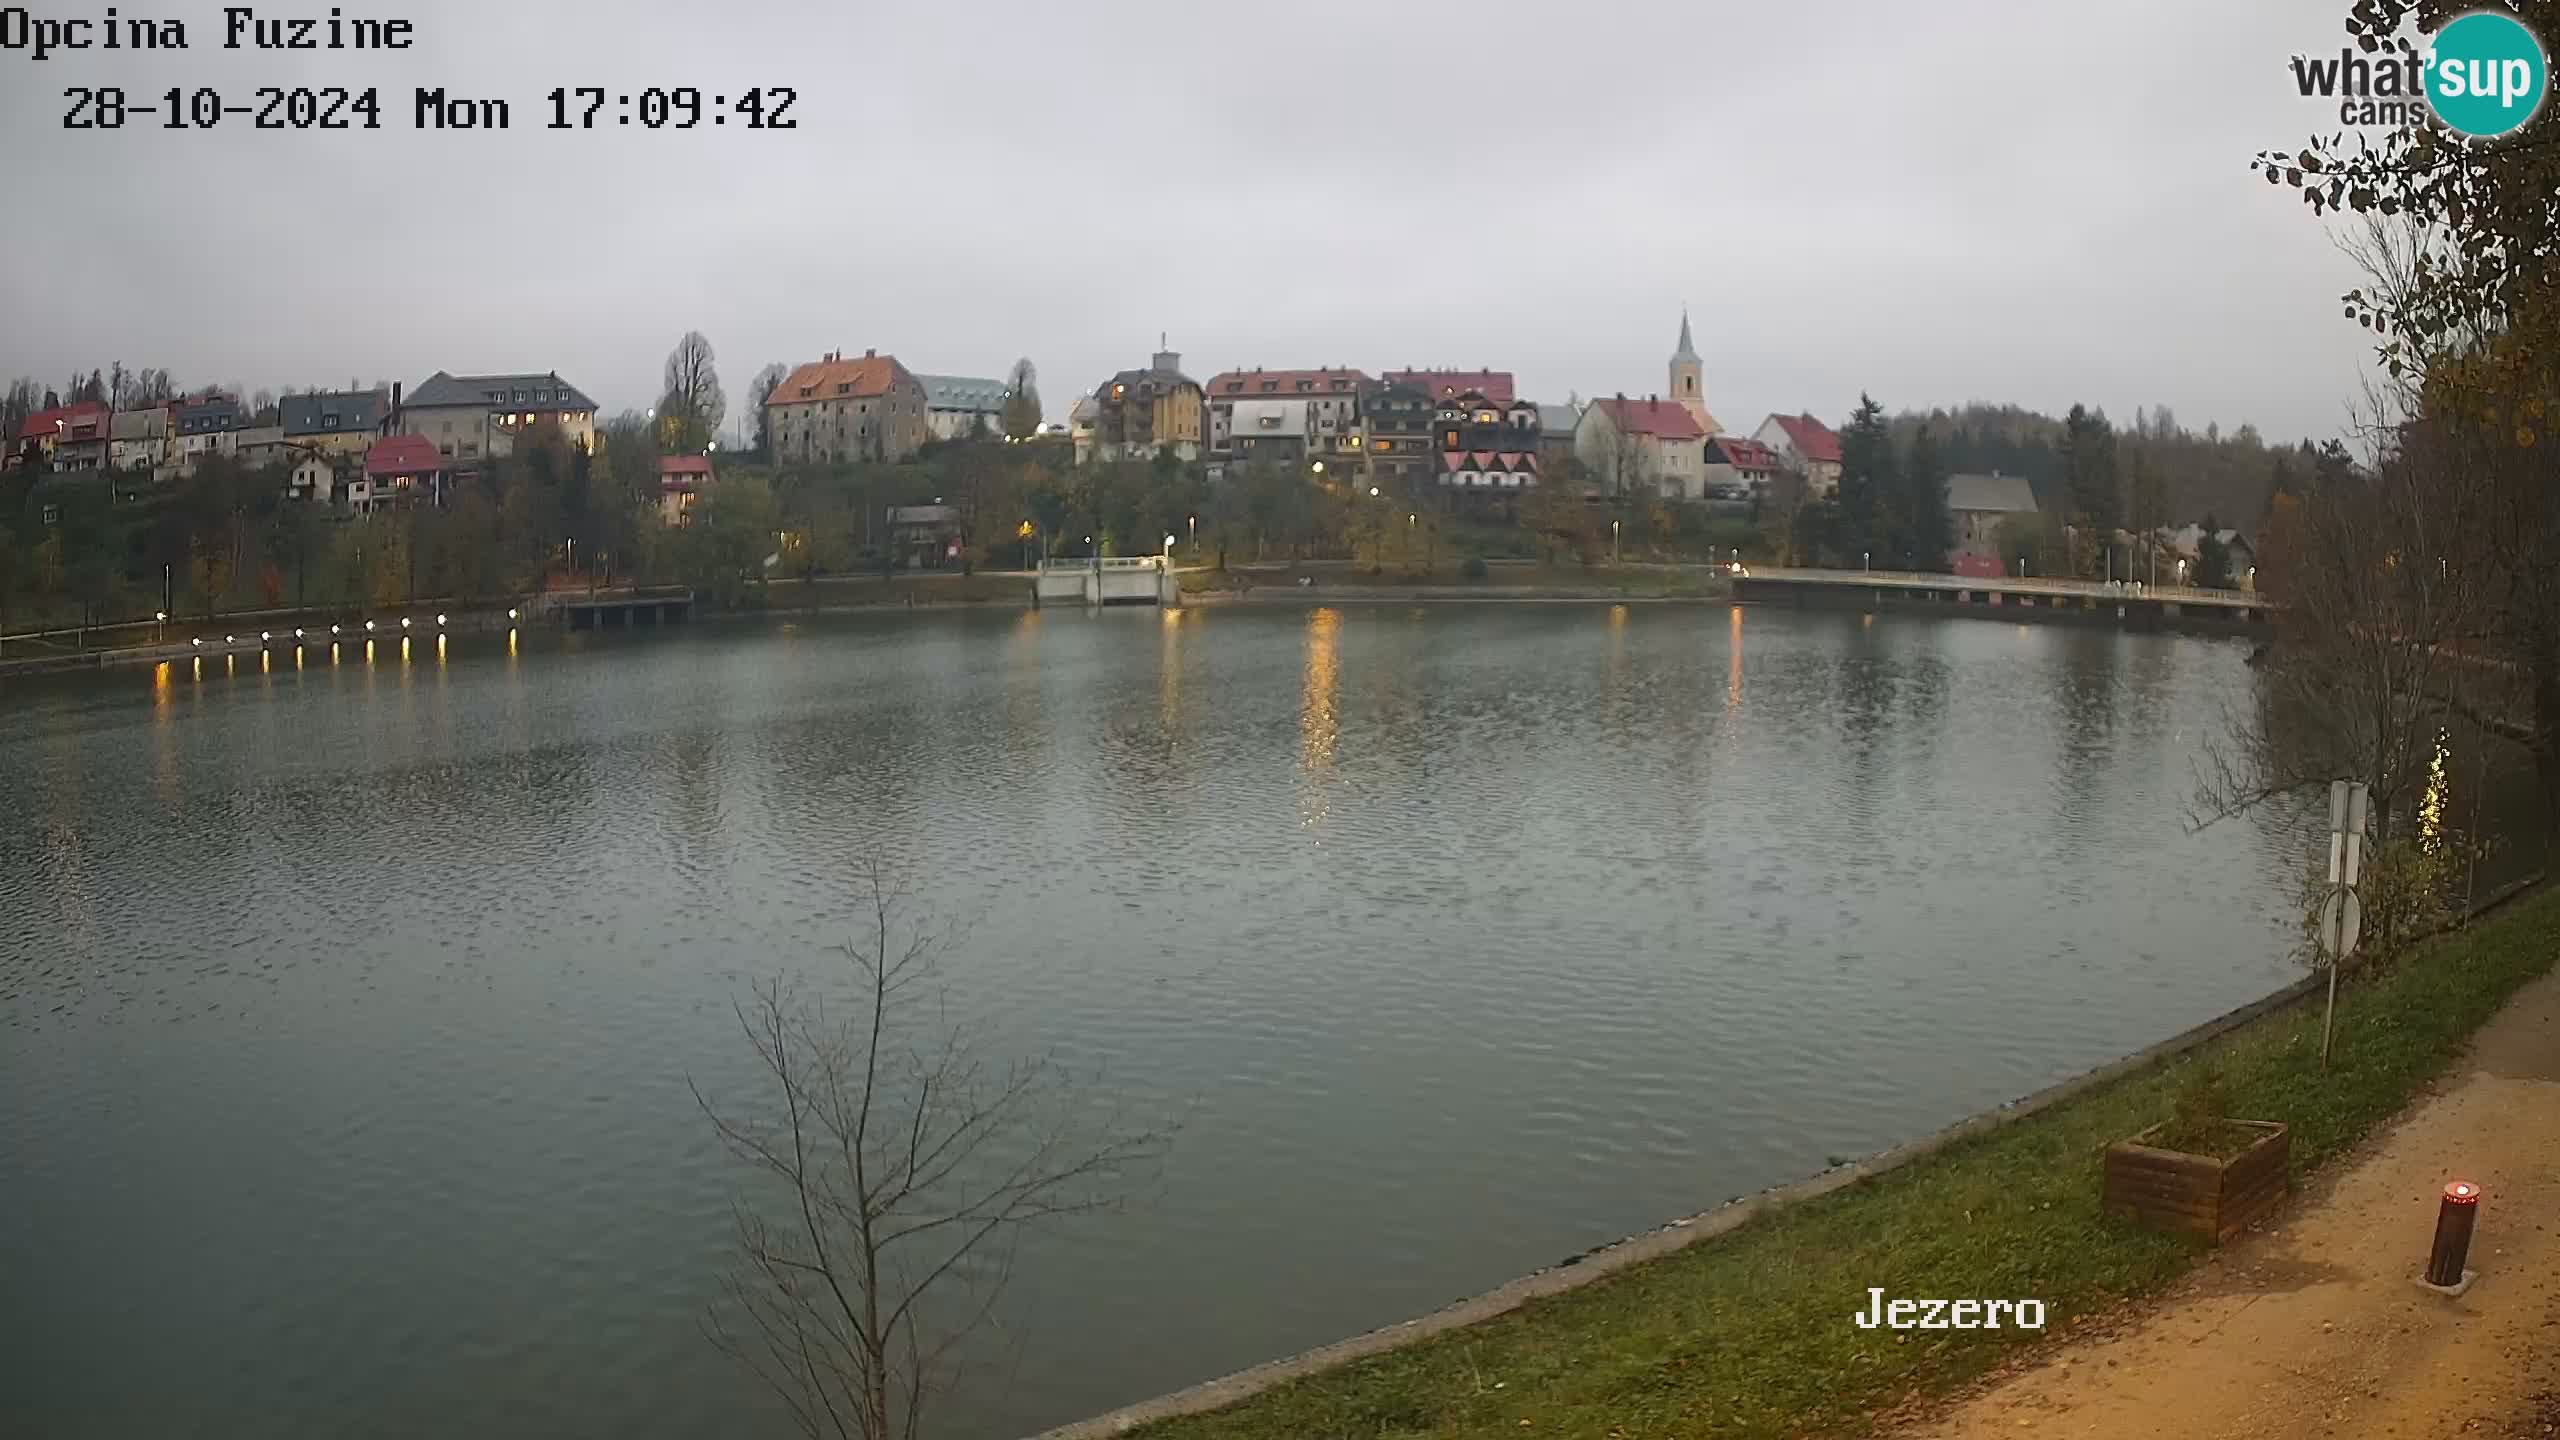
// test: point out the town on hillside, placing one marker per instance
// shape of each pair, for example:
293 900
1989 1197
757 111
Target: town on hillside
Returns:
856 462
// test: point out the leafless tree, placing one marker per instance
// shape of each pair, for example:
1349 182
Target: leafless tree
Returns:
760 390
694 404
2382 591
899 1162
1022 400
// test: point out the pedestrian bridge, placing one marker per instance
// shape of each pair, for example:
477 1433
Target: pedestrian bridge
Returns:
1123 580
2020 598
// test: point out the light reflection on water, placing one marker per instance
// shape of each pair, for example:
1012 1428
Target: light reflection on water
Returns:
349 1011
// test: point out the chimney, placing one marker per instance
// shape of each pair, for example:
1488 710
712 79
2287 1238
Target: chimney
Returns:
394 427
870 354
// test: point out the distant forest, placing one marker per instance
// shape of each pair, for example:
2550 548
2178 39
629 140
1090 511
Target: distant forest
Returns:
2230 478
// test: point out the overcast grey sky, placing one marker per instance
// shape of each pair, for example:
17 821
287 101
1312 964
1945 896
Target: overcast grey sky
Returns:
2022 201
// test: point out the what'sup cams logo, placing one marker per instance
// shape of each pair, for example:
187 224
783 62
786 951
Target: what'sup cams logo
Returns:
2482 76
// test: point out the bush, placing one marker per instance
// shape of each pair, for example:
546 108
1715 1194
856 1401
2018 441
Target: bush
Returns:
1474 568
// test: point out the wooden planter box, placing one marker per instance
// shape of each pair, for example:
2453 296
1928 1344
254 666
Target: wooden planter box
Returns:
2197 1194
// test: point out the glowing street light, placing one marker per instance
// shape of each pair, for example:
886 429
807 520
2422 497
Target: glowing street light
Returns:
404 622
1373 492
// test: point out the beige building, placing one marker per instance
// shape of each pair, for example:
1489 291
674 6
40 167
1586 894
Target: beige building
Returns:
1139 413
836 410
341 422
472 418
1627 445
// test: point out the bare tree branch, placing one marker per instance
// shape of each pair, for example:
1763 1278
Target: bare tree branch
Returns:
906 1165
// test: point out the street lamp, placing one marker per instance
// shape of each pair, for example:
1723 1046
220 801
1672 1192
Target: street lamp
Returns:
1373 492
1613 540
1319 467
1867 559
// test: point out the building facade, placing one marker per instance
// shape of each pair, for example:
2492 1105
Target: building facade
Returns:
1488 449
1980 504
959 406
1403 449
1737 468
141 441
1139 413
1629 445
472 419
338 422
205 425
682 482
68 437
836 411
1330 399
1807 446
1273 432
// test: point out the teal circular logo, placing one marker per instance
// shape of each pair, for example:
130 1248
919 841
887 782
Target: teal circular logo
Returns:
2486 74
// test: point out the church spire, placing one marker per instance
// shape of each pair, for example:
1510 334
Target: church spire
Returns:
1688 350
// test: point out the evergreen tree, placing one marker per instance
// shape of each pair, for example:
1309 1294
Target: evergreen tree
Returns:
2089 468
1867 520
1928 527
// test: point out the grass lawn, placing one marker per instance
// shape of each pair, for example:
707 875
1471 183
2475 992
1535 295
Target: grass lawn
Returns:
1748 1334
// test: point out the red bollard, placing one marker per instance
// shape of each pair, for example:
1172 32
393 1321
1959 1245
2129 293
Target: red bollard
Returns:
2454 1221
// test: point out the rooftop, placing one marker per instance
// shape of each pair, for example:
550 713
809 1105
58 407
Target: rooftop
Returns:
1813 439
1997 494
499 392
962 392
335 413
1320 381
1494 385
87 413
1659 418
1741 453
402 455
866 377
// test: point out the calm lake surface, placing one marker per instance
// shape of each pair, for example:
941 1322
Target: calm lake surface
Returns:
347 1011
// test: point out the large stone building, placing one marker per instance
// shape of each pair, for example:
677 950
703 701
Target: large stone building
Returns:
1138 413
472 419
836 410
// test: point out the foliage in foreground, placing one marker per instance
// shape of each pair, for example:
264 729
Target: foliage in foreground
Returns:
1749 1334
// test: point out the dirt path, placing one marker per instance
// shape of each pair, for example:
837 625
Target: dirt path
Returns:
2314 1328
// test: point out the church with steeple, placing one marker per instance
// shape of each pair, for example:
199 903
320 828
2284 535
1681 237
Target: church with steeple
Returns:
1689 380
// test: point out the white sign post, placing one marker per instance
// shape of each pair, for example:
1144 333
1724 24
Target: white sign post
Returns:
2341 918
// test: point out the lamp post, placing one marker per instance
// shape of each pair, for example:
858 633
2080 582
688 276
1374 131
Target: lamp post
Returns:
1614 527
1867 559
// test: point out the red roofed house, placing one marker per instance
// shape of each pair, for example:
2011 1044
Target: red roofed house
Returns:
1627 443
1332 407
682 479
398 469
69 437
1494 385
836 410
1738 469
1806 444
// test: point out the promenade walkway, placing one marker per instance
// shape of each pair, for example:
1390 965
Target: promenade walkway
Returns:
2314 1327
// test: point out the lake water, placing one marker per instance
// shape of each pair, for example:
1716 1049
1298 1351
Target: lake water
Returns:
347 1011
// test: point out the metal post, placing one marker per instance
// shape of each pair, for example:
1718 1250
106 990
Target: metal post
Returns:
2455 1217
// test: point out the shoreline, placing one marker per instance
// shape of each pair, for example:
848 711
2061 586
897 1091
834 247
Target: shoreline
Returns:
1603 1262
